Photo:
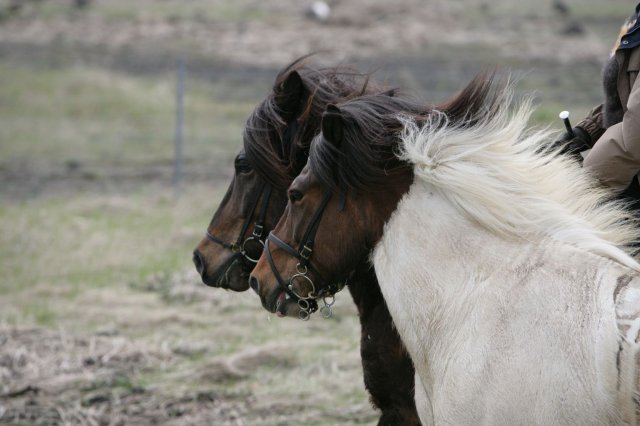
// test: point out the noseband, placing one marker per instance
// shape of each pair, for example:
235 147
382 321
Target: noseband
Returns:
239 247
307 303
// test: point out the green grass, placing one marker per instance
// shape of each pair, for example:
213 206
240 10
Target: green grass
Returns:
53 249
98 118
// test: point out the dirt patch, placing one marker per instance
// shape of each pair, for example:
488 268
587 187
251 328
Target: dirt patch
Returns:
188 355
50 377
53 378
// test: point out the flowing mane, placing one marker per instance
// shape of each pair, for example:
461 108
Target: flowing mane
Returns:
497 174
367 159
276 141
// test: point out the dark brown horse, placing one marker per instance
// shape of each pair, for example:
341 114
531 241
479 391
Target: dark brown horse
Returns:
276 146
344 196
341 200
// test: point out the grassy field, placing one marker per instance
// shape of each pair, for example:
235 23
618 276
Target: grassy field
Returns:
99 119
103 320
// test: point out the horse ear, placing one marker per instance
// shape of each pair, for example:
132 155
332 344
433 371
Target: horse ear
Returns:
332 125
288 94
390 93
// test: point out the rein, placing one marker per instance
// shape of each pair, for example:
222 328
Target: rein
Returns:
307 303
239 247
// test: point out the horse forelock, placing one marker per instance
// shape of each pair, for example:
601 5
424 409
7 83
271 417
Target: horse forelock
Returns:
498 173
278 148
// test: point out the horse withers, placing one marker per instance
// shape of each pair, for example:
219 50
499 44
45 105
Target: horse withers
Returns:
503 266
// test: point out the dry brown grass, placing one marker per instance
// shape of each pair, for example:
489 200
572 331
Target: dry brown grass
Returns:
187 368
98 329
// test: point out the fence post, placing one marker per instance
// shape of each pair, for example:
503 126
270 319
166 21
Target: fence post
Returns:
177 168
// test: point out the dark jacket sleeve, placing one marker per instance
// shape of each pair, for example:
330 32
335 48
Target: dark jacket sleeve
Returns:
592 124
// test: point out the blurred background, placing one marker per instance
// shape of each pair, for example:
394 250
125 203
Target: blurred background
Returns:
102 318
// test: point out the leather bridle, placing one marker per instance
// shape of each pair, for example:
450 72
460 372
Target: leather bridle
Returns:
307 303
239 247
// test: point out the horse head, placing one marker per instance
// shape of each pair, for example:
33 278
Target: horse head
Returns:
235 235
276 143
337 207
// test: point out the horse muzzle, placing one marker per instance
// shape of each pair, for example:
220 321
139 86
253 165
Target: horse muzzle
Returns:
231 275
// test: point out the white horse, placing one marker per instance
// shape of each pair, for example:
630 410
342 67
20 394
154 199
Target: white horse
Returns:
513 295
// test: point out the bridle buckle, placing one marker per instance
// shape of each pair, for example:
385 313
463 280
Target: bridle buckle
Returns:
305 252
257 230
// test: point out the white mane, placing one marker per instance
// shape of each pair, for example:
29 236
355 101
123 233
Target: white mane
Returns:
499 175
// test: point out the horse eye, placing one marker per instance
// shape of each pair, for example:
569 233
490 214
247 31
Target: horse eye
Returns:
242 165
295 195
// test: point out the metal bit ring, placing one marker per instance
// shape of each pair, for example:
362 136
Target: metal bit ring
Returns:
244 250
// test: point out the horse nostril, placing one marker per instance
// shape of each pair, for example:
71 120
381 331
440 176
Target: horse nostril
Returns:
198 261
255 285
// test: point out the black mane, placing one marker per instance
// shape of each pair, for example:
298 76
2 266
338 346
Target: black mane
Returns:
366 159
277 142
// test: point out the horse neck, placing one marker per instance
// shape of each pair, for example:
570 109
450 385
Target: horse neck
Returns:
428 230
437 269
430 260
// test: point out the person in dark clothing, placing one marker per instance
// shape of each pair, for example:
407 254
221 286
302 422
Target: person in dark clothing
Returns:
612 130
